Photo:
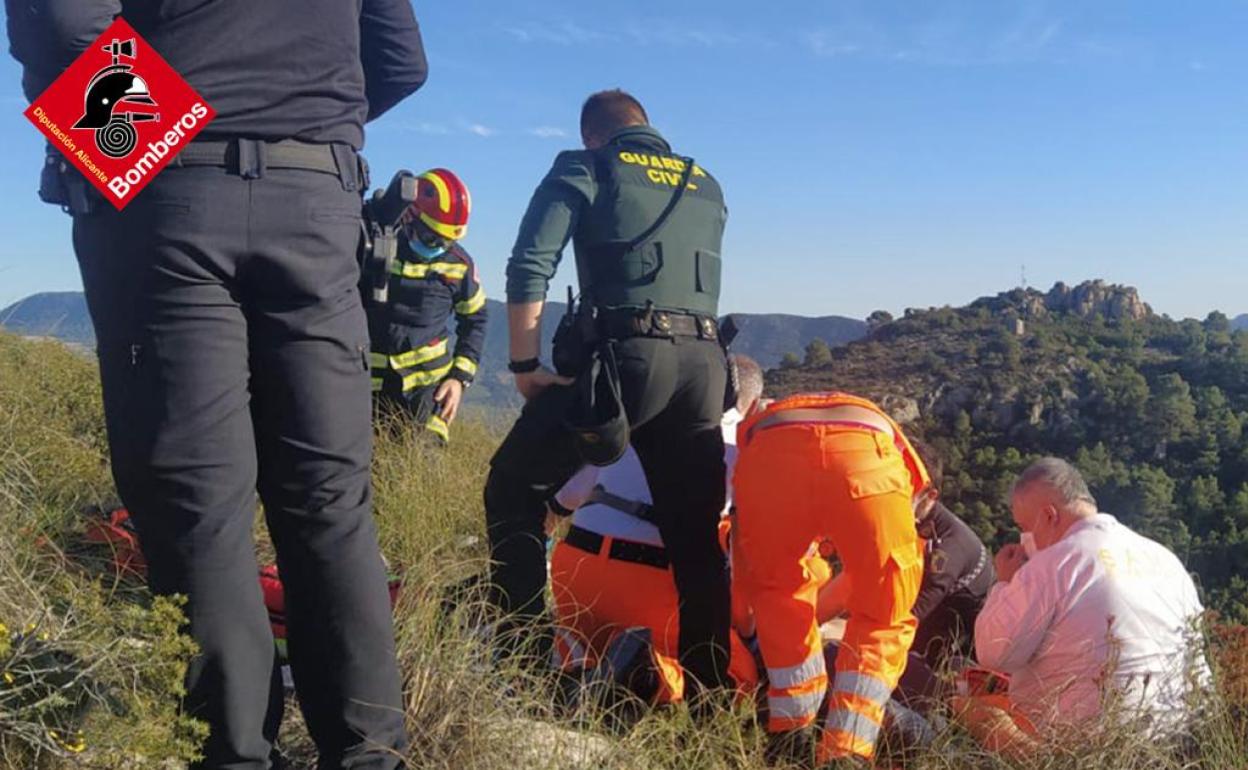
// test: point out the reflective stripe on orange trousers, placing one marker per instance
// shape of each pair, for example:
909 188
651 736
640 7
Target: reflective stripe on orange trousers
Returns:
850 485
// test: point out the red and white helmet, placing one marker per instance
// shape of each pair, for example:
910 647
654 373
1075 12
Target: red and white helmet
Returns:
442 204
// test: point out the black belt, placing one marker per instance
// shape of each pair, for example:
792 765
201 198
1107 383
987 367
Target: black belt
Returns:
622 323
621 550
249 158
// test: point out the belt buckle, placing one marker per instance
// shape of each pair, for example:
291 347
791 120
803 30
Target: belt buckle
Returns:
707 326
663 322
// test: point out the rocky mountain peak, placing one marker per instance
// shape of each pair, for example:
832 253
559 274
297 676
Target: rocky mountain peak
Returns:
1089 299
1097 298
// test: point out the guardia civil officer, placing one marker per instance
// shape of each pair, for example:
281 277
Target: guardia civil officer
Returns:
646 224
233 350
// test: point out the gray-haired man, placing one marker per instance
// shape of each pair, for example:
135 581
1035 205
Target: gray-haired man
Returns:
1094 614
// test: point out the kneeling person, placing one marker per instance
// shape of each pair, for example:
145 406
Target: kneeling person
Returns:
611 572
414 366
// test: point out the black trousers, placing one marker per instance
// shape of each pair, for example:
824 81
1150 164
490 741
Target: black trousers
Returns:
673 393
234 358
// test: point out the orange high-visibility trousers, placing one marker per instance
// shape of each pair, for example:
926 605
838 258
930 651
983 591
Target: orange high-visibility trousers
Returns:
799 477
597 597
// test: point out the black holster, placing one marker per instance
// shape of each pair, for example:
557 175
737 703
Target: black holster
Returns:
62 185
576 338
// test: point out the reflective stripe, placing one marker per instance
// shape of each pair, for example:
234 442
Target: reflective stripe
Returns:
465 365
852 723
420 379
785 677
409 359
423 269
801 707
863 685
845 414
437 426
419 355
376 383
471 305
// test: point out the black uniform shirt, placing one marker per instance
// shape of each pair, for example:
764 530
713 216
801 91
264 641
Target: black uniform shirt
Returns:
957 575
314 70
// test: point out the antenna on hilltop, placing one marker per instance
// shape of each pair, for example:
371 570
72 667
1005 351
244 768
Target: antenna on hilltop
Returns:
1023 275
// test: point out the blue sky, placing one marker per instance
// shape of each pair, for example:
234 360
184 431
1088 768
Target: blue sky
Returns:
874 153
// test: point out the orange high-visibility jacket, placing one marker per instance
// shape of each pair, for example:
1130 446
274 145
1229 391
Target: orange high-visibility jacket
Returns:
807 470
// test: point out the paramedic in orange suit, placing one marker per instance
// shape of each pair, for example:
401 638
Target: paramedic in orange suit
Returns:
835 468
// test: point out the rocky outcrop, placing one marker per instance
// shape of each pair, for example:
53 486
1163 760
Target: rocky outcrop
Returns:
903 409
1097 298
1089 299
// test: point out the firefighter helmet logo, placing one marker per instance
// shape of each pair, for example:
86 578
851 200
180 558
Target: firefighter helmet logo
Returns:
103 114
107 102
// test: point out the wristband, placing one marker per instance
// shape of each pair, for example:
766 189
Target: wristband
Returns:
525 366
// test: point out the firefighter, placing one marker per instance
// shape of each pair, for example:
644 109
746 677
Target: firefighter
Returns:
233 349
828 470
647 225
413 363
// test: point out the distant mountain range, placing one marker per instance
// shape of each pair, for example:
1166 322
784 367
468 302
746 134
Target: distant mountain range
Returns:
765 337
1240 322
60 314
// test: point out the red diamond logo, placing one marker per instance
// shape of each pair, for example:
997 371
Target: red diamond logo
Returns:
119 113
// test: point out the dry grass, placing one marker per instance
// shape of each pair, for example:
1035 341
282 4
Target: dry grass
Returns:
464 710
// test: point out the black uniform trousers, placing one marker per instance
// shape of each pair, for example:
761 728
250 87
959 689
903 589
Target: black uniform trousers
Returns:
234 359
673 392
415 407
417 403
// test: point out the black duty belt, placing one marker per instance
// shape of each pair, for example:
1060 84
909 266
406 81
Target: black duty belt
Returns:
622 323
250 158
621 550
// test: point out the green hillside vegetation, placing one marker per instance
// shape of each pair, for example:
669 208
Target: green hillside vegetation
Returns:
89 651
1153 411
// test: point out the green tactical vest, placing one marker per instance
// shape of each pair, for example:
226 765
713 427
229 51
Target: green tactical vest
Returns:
677 266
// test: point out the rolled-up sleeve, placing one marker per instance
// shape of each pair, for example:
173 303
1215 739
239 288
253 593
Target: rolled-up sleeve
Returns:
392 52
1015 619
548 225
578 489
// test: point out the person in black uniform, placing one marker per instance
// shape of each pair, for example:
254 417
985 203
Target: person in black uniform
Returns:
647 225
957 576
233 351
414 367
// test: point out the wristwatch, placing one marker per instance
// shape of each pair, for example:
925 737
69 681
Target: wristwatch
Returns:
524 366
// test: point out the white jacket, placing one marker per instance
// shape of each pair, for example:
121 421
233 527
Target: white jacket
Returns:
1050 629
626 479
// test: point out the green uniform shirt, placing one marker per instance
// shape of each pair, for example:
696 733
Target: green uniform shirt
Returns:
595 197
